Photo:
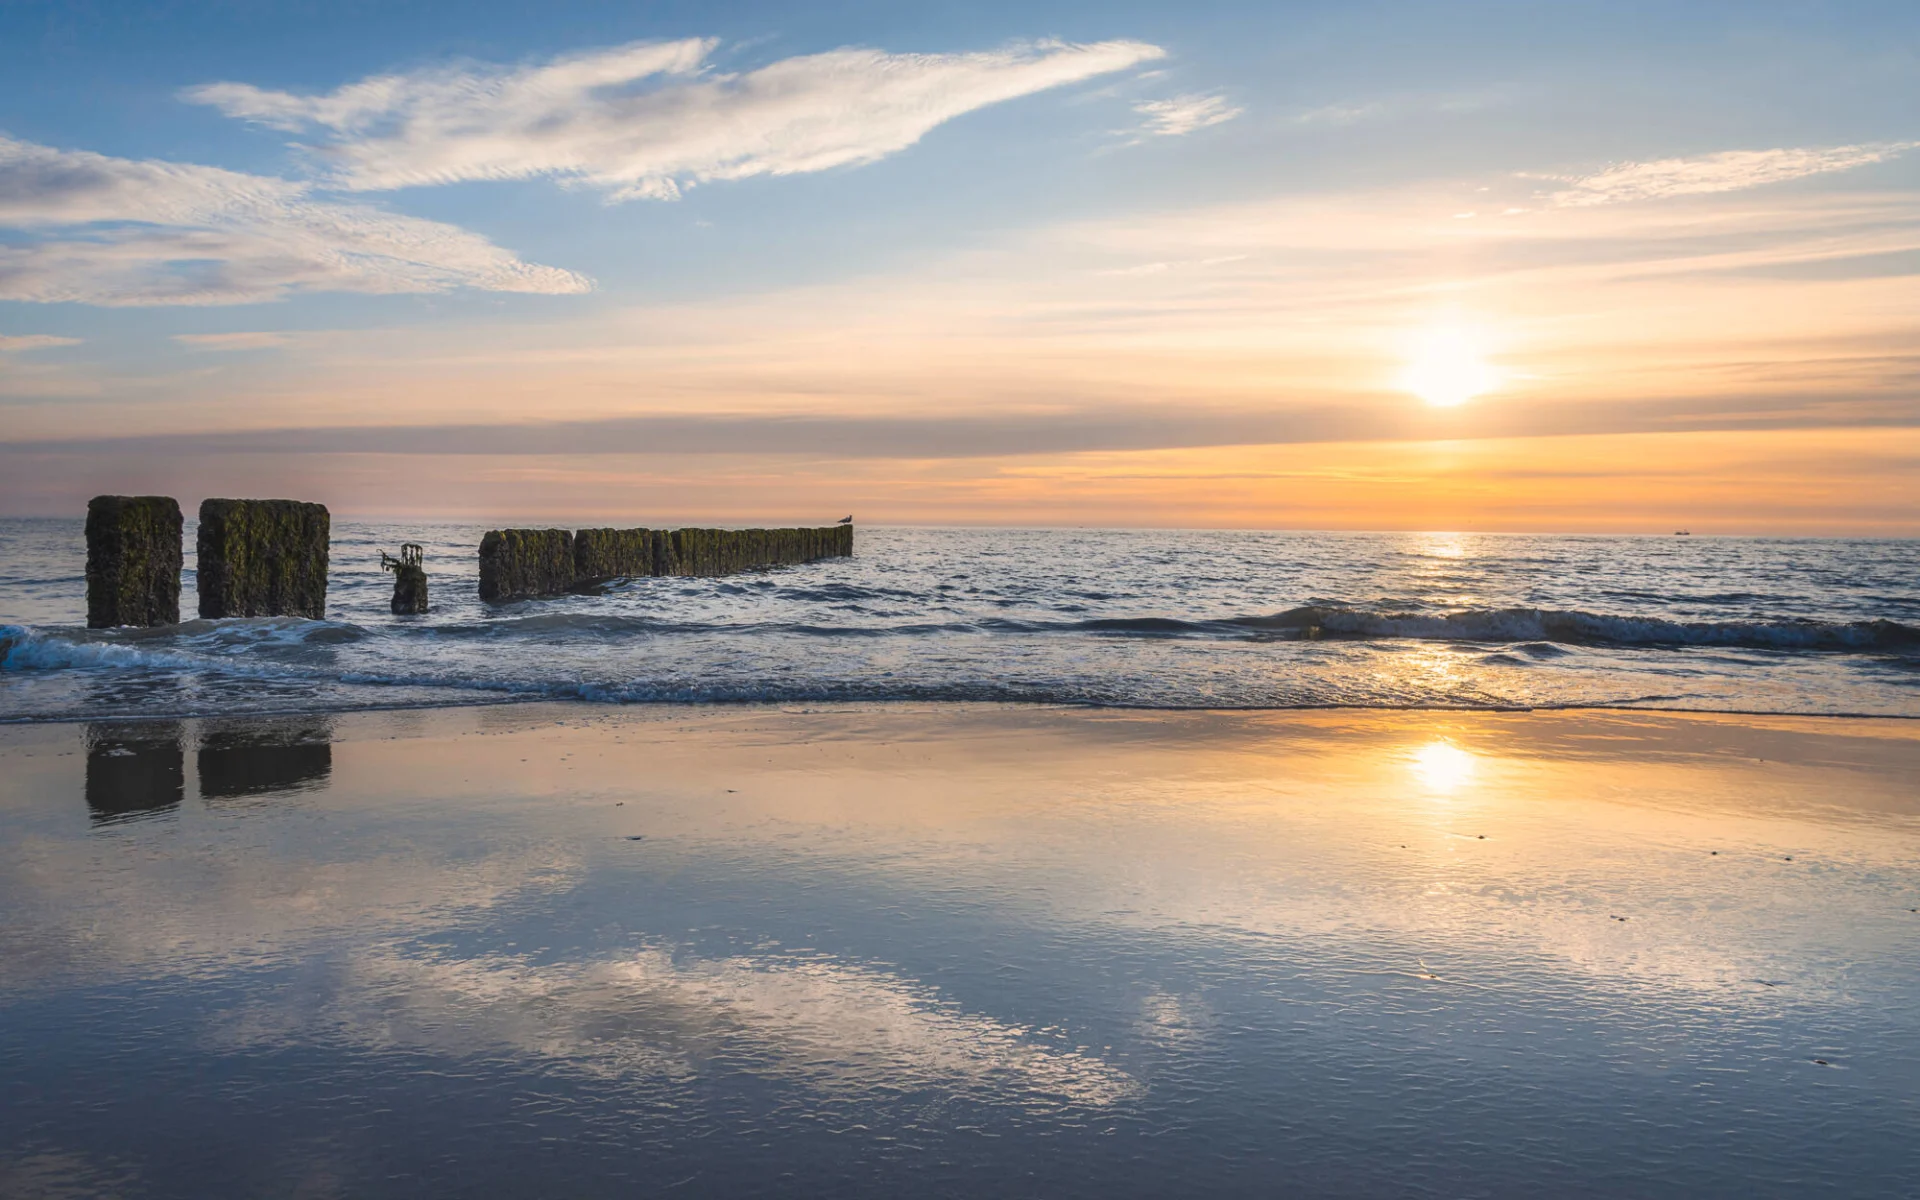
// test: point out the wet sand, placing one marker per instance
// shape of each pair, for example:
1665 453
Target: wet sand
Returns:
953 949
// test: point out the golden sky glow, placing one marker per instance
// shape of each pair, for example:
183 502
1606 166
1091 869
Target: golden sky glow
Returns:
1720 342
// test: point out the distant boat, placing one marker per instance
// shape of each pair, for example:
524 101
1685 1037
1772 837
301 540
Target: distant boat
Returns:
1683 533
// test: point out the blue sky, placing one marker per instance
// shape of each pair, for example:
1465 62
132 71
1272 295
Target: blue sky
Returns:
617 249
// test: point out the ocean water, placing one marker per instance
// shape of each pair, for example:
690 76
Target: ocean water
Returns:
1151 618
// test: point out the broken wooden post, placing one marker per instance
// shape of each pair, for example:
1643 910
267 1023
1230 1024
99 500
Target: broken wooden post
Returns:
519 563
263 558
133 561
409 579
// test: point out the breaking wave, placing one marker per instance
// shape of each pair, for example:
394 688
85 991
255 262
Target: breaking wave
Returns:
196 642
1585 628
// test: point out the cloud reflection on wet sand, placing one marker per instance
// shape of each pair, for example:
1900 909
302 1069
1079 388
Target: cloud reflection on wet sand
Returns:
830 1025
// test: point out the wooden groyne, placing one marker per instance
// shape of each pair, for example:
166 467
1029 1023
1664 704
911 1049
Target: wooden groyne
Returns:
517 564
258 558
726 551
133 561
263 558
619 553
268 558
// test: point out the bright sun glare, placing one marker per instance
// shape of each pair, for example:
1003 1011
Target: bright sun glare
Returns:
1443 766
1447 369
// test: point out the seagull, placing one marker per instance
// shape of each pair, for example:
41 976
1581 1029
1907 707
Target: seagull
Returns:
846 520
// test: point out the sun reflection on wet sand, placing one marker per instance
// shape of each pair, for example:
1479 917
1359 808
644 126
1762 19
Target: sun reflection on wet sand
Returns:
1443 767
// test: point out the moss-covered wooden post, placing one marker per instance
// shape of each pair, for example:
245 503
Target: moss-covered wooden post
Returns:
602 554
133 561
516 564
263 558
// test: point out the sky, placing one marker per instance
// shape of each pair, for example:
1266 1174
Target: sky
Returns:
1612 267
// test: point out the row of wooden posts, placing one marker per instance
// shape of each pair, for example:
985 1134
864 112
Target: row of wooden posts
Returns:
258 558
520 563
268 558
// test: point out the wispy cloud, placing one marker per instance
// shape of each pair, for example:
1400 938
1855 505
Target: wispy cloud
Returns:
15 343
115 231
649 120
231 341
1728 171
1181 115
1401 105
1342 114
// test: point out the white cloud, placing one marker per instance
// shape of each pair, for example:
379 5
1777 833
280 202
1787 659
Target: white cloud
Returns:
1728 171
115 231
646 121
231 341
14 344
1183 114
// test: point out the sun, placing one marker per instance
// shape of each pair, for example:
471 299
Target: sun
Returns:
1447 368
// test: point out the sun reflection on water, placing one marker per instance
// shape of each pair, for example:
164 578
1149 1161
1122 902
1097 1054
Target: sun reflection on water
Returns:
1443 545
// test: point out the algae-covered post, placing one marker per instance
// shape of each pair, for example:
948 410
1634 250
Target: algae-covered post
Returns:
727 551
409 579
263 558
133 561
519 563
613 554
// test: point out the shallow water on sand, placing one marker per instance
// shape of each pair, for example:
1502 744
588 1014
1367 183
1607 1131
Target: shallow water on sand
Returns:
1148 618
959 950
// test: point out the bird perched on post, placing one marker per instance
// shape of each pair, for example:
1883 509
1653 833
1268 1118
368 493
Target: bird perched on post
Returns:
846 520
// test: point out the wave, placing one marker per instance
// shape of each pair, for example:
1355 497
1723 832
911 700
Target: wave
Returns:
1574 627
191 643
1535 632
264 647
1538 632
67 674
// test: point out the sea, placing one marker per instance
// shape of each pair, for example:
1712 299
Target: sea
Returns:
1162 618
534 900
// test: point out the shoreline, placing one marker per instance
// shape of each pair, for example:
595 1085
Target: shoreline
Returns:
1033 705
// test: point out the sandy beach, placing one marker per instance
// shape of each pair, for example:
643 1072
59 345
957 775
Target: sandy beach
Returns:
1040 950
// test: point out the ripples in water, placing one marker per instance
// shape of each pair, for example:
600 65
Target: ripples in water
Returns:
1142 618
